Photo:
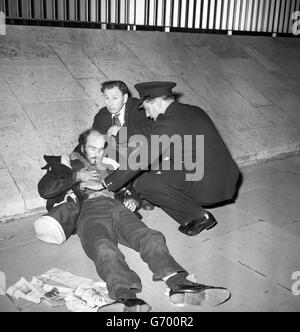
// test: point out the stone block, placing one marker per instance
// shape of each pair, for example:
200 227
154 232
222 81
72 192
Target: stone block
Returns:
42 83
11 200
270 206
60 124
263 248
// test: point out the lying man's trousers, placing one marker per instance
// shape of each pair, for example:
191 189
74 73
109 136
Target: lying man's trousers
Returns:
105 222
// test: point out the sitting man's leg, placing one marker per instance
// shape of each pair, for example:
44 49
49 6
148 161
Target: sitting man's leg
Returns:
169 193
99 241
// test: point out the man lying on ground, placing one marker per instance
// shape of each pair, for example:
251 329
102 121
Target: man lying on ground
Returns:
104 222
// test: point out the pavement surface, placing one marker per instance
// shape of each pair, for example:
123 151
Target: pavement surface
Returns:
253 251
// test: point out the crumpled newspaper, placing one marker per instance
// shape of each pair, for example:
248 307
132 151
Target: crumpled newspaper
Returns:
24 290
57 287
87 299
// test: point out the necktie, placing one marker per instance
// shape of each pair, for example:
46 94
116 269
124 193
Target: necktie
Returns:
116 120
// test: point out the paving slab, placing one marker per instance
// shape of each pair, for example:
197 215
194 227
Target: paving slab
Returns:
68 256
130 70
21 153
24 46
269 206
263 248
34 35
235 107
50 121
254 73
274 141
156 59
274 179
262 59
41 83
247 90
2 164
293 227
290 165
11 201
92 88
291 83
76 60
229 219
3 85
275 114
287 100
17 228
250 292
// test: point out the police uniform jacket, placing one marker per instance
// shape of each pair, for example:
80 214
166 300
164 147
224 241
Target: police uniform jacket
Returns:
220 171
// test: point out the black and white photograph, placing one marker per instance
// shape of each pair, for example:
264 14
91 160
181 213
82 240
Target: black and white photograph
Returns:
150 158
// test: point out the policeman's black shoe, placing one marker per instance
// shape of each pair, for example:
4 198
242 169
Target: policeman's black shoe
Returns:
199 294
196 226
147 205
126 305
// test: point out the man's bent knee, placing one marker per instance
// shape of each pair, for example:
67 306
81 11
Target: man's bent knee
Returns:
154 239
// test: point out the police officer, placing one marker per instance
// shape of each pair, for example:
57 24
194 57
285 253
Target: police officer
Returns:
179 192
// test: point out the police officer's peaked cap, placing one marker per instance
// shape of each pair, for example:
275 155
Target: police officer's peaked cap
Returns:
149 90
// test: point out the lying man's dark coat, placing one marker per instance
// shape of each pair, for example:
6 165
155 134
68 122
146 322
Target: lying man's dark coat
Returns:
55 185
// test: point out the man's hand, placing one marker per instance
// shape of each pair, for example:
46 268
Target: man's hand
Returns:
131 204
113 131
94 185
86 175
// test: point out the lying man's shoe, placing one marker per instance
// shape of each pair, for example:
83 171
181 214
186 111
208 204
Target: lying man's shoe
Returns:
199 294
196 226
147 205
126 305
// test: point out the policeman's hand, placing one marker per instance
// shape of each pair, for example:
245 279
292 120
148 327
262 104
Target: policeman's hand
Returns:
94 185
131 204
85 175
113 131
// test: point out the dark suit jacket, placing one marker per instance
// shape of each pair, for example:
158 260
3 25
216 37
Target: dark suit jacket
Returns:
136 120
220 171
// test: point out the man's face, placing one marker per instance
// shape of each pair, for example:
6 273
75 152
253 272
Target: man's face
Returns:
152 108
114 99
95 148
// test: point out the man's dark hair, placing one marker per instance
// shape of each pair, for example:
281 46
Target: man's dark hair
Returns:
83 136
115 84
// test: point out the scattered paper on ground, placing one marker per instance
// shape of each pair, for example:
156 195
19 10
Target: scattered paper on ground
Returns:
24 290
57 288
